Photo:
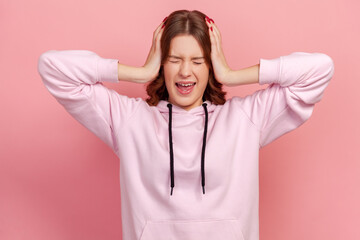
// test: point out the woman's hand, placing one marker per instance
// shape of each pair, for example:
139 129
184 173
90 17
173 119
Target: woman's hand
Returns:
153 61
151 68
221 69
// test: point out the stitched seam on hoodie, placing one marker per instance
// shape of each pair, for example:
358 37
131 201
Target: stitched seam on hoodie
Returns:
116 134
275 118
81 92
123 125
242 110
256 127
98 80
96 108
126 121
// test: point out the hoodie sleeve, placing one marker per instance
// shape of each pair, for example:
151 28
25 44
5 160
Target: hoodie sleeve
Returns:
296 83
74 78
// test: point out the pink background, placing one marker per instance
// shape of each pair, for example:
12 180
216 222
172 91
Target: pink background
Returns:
59 181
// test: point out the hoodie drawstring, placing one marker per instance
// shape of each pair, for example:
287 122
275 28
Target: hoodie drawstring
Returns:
203 149
171 150
169 105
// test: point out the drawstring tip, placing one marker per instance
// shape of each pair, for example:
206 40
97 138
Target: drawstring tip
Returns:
203 187
171 191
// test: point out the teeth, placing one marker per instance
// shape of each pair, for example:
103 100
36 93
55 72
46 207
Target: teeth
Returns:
186 85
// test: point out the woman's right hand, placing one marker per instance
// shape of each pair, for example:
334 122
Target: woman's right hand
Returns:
153 62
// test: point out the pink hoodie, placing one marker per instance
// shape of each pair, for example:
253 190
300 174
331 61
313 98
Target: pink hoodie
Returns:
166 156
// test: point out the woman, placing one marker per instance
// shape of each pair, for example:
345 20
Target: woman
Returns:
186 132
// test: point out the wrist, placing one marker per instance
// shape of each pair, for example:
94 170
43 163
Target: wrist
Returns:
149 74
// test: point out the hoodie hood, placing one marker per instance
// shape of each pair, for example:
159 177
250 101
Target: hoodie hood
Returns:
206 107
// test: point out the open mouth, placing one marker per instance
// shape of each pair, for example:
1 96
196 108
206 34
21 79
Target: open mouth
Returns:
185 88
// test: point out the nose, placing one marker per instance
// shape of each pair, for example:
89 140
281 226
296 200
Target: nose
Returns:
185 69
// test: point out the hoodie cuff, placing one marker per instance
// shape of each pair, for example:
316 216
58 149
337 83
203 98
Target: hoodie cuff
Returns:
269 71
107 70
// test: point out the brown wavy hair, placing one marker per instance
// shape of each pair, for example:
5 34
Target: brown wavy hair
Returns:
191 23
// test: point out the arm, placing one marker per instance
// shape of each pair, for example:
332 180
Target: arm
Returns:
244 76
74 78
296 83
132 74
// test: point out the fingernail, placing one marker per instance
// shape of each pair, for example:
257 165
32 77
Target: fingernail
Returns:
163 26
164 19
212 20
208 19
211 29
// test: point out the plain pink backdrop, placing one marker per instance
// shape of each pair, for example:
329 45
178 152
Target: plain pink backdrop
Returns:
59 181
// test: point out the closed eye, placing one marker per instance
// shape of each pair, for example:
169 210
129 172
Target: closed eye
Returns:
197 63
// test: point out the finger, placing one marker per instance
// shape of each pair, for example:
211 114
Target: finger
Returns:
216 38
215 26
160 29
212 37
157 36
217 32
157 30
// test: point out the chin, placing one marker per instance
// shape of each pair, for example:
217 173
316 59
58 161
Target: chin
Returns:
185 102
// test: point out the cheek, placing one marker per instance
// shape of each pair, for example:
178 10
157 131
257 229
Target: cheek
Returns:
170 70
166 74
168 83
168 77
203 75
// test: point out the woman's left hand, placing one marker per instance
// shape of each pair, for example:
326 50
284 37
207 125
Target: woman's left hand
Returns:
221 69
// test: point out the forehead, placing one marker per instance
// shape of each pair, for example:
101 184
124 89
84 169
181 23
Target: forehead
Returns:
185 46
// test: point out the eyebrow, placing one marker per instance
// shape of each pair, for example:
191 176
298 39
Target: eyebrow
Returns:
194 58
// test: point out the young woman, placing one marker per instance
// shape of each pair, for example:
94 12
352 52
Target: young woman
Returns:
186 132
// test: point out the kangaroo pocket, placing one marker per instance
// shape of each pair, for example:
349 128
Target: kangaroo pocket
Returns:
218 229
